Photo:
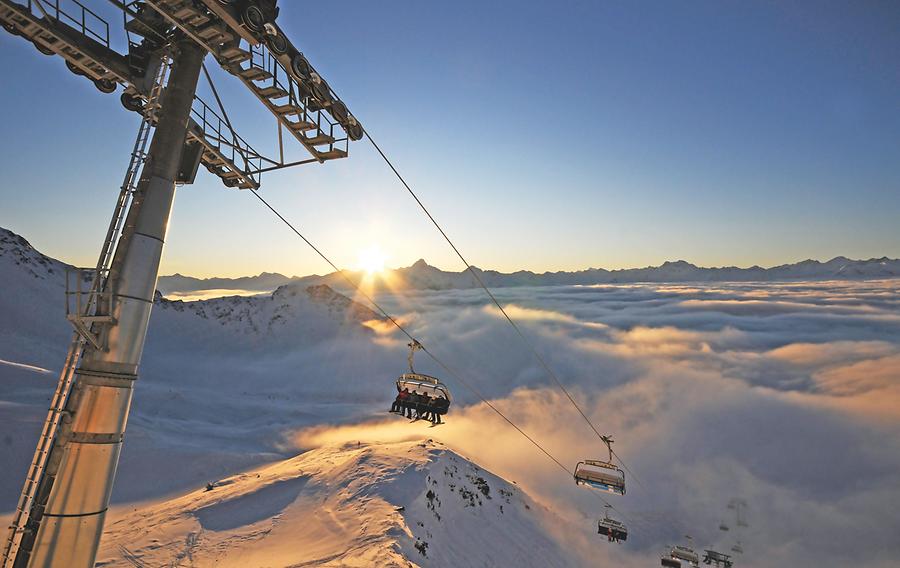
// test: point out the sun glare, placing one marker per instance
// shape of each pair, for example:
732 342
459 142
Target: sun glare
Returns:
372 259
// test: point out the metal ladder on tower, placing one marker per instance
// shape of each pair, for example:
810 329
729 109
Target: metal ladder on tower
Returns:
83 318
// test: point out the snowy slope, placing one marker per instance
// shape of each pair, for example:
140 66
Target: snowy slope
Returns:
32 302
400 504
220 380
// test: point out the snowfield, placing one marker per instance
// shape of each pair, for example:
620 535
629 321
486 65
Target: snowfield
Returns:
400 504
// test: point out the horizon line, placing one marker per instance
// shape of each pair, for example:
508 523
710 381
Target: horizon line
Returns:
591 268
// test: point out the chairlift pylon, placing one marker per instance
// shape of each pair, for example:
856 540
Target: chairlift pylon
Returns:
603 475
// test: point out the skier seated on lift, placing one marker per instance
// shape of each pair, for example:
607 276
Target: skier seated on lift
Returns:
608 531
434 409
400 401
412 403
439 406
423 409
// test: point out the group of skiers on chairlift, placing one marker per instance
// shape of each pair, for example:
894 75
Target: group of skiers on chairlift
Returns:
611 535
425 407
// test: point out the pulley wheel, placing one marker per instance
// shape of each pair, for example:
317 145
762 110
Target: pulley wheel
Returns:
105 85
355 131
300 68
253 18
277 44
320 90
339 112
132 102
43 49
74 68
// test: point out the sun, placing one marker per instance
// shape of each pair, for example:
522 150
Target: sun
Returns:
371 259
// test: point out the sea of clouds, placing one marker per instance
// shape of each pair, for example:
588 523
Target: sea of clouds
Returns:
783 394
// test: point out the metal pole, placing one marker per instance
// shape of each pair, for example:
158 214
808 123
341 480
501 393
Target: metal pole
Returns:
71 504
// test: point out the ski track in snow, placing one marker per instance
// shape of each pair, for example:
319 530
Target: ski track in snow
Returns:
34 368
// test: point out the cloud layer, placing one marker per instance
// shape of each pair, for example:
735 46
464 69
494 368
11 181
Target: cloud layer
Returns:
783 394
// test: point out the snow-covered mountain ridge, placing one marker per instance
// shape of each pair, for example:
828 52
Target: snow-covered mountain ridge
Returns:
307 306
400 504
17 251
272 313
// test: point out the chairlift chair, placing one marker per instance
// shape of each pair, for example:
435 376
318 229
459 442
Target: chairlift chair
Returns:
423 384
613 529
685 553
717 558
602 475
723 527
737 548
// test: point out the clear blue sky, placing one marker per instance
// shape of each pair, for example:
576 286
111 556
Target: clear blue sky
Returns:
545 136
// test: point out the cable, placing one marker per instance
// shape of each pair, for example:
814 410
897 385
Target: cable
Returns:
438 361
490 294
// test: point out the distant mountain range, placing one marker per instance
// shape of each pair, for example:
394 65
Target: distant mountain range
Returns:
422 276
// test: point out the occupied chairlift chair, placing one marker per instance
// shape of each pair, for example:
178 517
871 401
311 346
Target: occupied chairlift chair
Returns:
423 384
615 531
602 475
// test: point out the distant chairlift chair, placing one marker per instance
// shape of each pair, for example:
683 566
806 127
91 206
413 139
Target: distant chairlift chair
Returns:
717 558
685 553
602 475
615 531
